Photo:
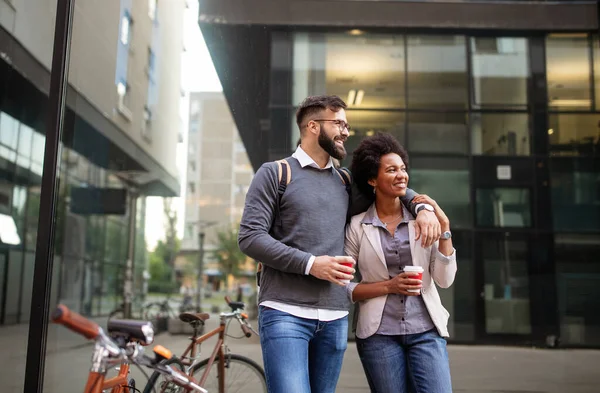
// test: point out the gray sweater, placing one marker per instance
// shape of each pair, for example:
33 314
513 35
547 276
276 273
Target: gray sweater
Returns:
313 215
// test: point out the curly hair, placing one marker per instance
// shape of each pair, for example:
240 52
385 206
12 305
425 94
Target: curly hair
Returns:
315 104
367 156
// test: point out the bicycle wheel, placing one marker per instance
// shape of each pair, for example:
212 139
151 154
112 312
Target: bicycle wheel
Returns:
241 375
157 384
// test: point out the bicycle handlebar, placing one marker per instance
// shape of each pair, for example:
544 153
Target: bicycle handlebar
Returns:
246 330
72 320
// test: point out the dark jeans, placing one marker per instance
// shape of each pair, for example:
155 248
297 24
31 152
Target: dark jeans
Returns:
301 355
415 363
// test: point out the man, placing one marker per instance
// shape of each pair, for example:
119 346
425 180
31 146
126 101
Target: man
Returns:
303 307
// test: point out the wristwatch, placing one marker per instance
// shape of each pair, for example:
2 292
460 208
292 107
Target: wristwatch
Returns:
425 206
446 235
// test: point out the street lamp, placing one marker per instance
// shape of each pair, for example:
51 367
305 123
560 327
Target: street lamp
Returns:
202 225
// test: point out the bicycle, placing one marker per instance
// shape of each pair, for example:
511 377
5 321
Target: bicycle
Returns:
218 380
122 346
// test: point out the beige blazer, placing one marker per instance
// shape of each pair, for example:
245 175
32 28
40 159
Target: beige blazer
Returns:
363 243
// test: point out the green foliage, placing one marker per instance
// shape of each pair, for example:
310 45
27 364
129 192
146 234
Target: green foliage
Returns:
162 259
228 253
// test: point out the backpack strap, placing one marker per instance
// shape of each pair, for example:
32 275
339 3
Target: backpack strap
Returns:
284 174
346 177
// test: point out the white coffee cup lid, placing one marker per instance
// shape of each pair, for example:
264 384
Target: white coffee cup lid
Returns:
411 268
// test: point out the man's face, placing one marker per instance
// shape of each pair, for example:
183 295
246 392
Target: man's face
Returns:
333 133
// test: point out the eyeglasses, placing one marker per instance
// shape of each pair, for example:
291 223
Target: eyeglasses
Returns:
340 123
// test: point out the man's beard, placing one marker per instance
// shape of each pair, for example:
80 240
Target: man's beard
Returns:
328 144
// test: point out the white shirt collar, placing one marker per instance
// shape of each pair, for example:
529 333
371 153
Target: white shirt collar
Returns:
305 160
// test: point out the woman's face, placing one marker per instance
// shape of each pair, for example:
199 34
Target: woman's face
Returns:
392 177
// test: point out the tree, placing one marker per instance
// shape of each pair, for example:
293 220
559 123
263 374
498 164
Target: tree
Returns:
172 242
228 253
163 257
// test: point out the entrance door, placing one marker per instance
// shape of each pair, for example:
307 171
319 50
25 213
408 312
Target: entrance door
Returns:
504 283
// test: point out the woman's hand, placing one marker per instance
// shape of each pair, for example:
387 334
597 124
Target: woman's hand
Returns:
403 282
439 213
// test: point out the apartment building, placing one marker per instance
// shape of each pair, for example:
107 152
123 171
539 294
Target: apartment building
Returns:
218 174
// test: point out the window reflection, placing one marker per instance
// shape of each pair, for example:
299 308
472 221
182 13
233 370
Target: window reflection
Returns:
568 71
578 278
447 181
367 123
438 132
506 286
437 72
575 194
9 130
367 71
503 207
500 134
574 134
500 72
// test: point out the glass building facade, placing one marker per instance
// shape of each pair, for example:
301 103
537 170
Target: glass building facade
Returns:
500 120
88 130
514 165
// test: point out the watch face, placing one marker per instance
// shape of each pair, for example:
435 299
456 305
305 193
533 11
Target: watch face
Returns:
446 235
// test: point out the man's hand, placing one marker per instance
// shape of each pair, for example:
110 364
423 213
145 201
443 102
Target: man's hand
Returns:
439 213
427 228
330 269
403 282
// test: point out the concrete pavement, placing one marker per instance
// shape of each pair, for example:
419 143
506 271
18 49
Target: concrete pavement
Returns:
475 369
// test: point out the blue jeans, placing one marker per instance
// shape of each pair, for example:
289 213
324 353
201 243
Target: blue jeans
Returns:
301 355
409 363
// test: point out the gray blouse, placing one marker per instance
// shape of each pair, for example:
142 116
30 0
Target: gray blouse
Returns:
401 314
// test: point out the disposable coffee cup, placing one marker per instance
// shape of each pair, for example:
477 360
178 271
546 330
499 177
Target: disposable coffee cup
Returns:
416 269
343 260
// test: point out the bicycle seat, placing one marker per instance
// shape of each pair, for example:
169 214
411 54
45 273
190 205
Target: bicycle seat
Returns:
236 305
189 317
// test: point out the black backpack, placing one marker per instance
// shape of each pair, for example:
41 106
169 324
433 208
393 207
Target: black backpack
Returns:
284 174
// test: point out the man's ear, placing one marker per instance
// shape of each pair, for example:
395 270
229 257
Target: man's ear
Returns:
313 127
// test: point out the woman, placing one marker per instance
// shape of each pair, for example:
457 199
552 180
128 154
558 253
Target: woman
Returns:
399 333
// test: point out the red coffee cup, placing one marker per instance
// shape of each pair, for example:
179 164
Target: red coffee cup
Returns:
419 276
345 262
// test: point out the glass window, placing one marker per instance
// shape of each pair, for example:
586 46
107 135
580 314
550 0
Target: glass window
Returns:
437 72
574 134
25 139
578 278
366 70
447 181
367 123
9 130
503 207
500 72
460 298
38 144
14 288
500 134
575 194
506 286
438 132
596 54
568 70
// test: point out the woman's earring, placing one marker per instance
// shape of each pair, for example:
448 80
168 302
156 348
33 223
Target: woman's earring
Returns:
373 190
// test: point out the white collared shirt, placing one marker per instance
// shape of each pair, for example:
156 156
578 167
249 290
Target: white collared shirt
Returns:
299 311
